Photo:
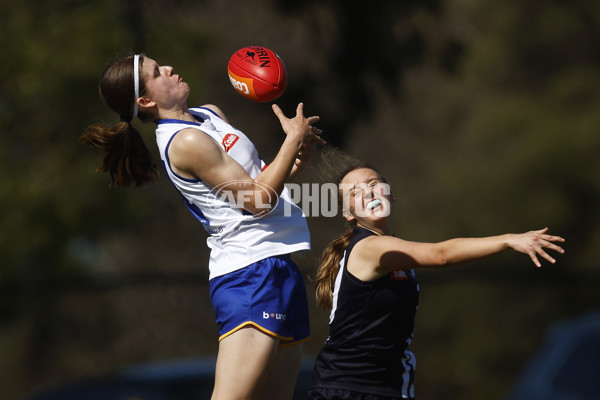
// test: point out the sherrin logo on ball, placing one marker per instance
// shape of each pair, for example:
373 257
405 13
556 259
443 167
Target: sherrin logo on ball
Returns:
257 73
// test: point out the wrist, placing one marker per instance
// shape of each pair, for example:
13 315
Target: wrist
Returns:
507 240
291 147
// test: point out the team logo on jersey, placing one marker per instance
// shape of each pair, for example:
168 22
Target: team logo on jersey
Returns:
398 275
229 140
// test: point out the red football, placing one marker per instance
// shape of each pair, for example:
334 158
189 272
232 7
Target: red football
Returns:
257 73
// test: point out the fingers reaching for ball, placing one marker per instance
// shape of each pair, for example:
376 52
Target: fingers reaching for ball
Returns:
300 125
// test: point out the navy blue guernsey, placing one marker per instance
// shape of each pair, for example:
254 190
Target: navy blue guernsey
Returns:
370 330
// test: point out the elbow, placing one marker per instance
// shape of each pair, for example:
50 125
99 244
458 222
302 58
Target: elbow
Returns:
441 258
443 262
449 253
251 197
261 203
259 209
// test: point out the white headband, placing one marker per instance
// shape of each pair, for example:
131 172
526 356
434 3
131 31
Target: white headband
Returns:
136 83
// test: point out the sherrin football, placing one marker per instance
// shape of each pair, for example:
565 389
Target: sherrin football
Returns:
257 73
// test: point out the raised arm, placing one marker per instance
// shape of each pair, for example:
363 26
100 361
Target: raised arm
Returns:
195 155
376 256
300 135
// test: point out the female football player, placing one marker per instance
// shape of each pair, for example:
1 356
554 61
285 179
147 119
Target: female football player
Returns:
256 290
366 279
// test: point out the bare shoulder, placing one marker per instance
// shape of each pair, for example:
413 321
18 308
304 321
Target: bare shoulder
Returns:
216 110
192 151
375 256
371 248
191 140
363 261
377 244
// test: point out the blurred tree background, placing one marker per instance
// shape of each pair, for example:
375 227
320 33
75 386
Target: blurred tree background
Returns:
484 116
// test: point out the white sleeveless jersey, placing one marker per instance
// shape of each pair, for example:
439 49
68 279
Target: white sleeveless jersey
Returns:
237 238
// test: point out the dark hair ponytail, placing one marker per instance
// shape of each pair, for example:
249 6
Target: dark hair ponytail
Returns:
126 157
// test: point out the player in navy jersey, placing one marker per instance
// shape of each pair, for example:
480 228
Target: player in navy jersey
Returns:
366 278
256 290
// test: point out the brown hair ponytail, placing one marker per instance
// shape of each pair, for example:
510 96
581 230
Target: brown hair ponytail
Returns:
126 157
328 269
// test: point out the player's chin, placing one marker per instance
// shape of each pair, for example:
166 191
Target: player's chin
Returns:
381 212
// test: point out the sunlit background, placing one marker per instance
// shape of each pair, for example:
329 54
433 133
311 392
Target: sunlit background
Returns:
485 117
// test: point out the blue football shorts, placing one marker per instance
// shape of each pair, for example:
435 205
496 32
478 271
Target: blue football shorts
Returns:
269 295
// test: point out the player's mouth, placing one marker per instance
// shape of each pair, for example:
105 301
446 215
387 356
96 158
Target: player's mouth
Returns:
373 204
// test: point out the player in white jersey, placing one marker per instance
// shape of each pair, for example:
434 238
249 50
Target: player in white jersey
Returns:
256 290
236 239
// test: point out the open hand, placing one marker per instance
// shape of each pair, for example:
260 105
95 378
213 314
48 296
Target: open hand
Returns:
300 125
534 244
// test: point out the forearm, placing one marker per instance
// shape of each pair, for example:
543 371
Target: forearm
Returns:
461 250
298 166
288 161
281 168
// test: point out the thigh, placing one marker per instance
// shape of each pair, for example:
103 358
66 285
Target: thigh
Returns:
244 361
281 381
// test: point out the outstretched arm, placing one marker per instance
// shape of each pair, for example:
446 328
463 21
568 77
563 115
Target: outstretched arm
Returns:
533 243
376 256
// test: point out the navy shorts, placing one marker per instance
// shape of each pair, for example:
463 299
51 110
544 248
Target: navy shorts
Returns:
269 295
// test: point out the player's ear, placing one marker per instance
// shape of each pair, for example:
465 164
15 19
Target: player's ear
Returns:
349 217
145 103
